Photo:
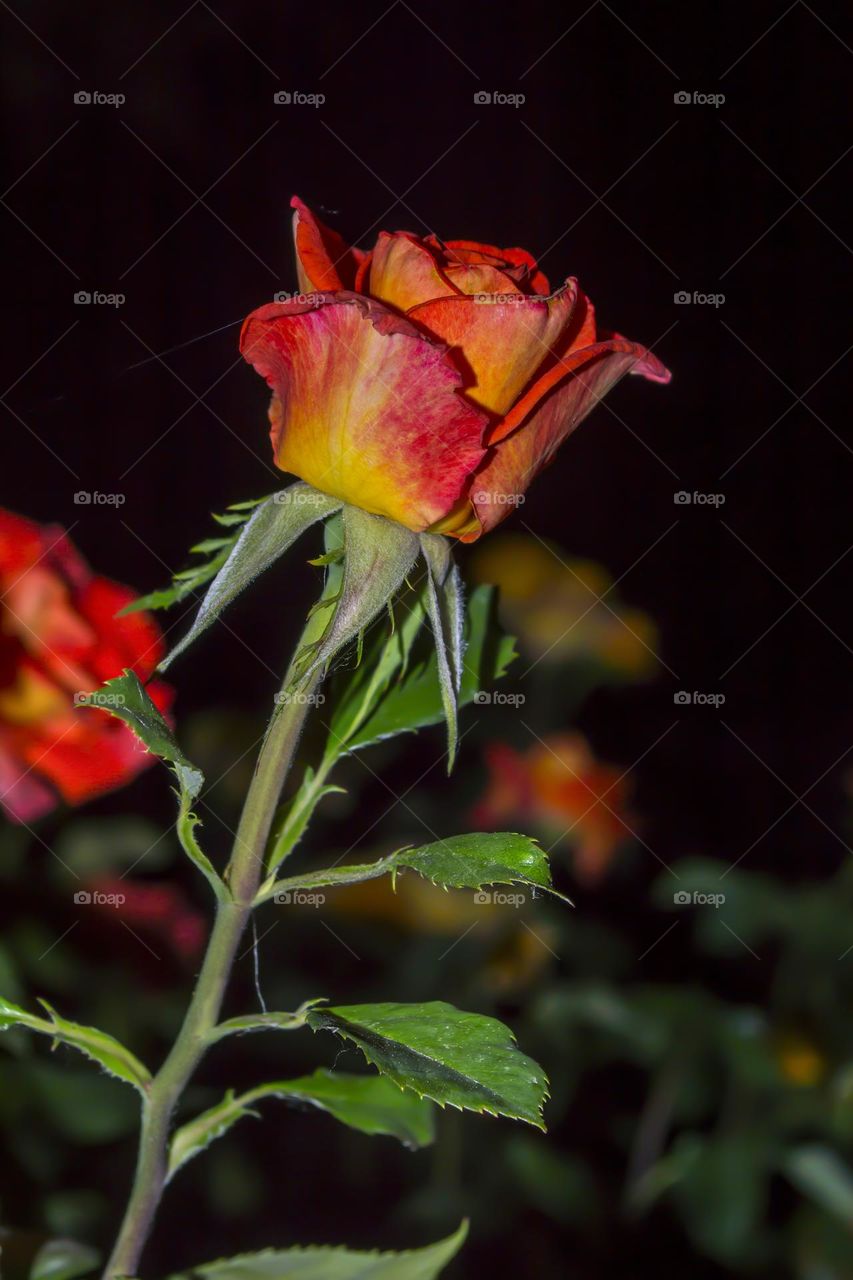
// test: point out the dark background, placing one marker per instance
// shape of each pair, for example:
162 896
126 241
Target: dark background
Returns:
178 199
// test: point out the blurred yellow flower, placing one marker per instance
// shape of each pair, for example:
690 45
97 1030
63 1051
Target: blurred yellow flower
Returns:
800 1062
554 604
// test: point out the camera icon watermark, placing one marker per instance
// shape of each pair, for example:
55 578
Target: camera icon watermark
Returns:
86 298
94 498
682 498
499 898
296 98
299 699
299 498
93 898
695 97
498 698
83 98
98 699
299 898
485 498
684 298
683 698
682 898
308 299
483 98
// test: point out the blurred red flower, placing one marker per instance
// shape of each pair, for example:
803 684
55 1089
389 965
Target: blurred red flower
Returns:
563 791
156 907
59 638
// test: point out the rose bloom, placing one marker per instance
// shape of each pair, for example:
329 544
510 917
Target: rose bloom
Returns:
427 381
59 637
562 790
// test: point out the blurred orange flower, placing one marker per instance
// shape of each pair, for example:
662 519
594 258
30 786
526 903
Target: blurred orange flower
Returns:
560 789
562 609
59 638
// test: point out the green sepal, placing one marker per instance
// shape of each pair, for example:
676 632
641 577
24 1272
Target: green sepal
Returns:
273 526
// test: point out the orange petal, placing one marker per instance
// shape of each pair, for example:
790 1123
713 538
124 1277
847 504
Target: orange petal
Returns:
501 343
404 271
324 260
473 251
366 408
585 377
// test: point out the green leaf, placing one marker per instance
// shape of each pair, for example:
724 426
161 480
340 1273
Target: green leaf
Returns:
819 1173
478 858
273 526
316 1262
63 1260
371 1104
95 1044
459 862
125 697
378 554
415 700
465 1060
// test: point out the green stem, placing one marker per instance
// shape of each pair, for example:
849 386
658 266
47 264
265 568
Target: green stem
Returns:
244 876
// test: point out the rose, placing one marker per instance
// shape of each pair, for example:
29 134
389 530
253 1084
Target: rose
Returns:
426 381
59 639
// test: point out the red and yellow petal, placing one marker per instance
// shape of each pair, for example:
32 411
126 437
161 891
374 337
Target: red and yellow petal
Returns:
572 389
404 272
324 260
501 344
366 408
473 251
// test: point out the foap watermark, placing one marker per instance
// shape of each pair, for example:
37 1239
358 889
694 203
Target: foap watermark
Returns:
682 498
682 898
307 299
298 497
499 299
686 298
94 498
98 699
299 699
95 98
484 498
696 98
495 98
684 698
296 98
499 898
499 699
89 298
299 898
94 898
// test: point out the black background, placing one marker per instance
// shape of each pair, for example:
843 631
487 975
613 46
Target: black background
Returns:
179 200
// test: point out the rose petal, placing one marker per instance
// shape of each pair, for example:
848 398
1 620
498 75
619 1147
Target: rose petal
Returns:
324 260
404 272
473 251
481 277
587 375
504 343
366 408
